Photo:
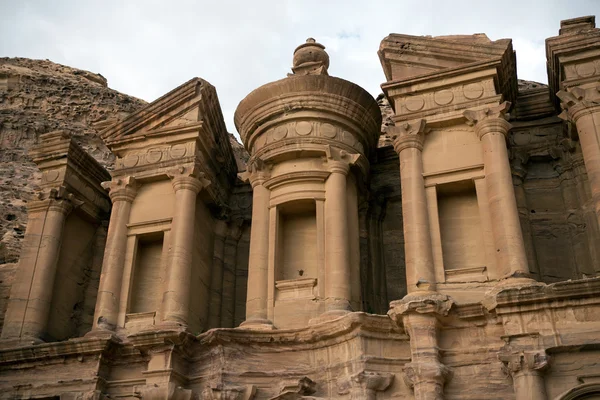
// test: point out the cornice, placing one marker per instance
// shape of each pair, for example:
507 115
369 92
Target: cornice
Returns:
152 111
47 351
320 335
553 295
309 97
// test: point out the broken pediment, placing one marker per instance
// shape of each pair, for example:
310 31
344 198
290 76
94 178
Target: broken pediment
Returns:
406 56
447 63
191 106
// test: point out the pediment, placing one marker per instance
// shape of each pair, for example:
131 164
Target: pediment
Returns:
179 109
405 56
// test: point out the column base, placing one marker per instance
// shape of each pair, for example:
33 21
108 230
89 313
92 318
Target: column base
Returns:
99 333
328 316
168 326
20 342
517 278
257 324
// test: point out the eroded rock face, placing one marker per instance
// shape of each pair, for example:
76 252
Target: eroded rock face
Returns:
36 97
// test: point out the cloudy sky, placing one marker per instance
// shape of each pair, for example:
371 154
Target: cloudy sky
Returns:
147 47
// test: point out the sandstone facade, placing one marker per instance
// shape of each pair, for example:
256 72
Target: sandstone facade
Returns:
450 251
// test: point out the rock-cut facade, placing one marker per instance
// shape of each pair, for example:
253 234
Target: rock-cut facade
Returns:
455 255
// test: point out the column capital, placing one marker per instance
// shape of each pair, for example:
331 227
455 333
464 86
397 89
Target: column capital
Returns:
339 161
420 303
489 120
57 199
365 381
519 361
426 371
257 172
408 135
577 101
188 178
222 391
121 189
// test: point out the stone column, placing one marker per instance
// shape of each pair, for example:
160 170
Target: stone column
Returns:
408 143
526 369
492 128
419 314
122 191
30 321
187 183
582 107
338 290
258 271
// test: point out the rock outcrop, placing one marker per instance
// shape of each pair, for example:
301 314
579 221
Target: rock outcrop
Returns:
36 97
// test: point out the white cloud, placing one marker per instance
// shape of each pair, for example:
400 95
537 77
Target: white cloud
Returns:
147 47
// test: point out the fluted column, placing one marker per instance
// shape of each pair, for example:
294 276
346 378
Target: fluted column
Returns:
29 306
526 368
187 183
122 192
258 270
582 107
492 128
338 290
408 143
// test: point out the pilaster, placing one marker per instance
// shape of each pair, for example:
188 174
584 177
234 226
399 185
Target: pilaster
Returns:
70 179
31 296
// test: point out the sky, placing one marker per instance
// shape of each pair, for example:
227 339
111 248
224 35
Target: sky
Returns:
145 48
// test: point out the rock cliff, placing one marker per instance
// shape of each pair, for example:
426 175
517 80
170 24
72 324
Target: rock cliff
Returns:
36 97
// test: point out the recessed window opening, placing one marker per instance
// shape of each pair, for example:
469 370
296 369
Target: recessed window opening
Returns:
297 245
460 225
147 274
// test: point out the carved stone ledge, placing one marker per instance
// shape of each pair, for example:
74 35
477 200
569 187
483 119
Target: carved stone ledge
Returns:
301 390
170 392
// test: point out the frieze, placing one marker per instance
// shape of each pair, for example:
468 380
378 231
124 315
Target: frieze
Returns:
582 70
307 129
453 96
155 155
